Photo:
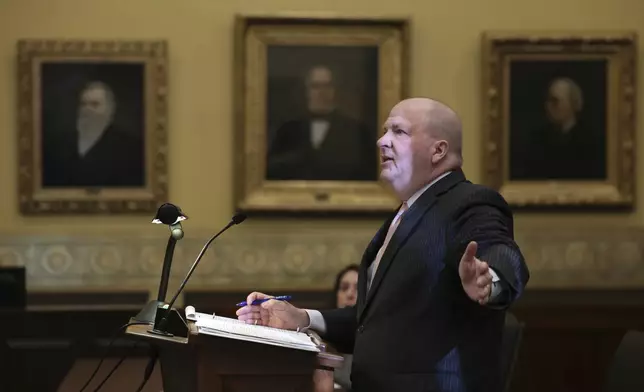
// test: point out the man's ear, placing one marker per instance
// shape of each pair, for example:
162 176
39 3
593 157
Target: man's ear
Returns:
439 150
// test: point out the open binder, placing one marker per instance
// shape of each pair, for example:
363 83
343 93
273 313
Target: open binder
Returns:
236 329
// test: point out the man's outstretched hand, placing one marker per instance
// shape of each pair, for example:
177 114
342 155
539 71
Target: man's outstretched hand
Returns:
475 275
272 313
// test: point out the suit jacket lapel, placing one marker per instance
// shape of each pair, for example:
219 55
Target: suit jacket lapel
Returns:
410 220
367 258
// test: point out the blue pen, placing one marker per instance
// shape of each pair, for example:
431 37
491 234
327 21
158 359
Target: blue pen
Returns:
259 301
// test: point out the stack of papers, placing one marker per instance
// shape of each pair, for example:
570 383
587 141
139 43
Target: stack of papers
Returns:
236 329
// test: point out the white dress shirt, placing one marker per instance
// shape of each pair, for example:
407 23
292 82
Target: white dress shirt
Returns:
319 129
317 322
87 139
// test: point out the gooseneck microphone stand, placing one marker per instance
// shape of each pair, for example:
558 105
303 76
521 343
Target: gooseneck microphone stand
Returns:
168 322
149 312
171 215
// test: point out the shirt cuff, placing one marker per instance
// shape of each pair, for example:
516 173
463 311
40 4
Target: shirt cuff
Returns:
316 321
496 290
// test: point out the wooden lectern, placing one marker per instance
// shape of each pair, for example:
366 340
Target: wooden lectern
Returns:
203 362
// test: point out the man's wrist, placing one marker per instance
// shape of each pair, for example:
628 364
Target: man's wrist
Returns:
304 321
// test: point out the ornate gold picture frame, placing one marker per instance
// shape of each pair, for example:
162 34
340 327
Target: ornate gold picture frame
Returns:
311 96
559 118
92 126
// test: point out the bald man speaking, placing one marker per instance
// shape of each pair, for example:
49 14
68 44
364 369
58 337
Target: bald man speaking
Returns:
436 279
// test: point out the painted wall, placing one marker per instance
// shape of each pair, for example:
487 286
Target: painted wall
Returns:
445 51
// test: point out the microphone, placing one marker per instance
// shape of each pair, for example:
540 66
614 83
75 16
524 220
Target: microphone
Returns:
171 215
166 322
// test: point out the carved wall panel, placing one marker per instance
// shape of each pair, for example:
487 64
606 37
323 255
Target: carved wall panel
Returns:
558 258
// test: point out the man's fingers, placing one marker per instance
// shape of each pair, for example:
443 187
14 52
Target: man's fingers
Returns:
470 252
256 295
265 317
482 268
256 318
484 280
251 297
244 311
248 316
486 290
255 314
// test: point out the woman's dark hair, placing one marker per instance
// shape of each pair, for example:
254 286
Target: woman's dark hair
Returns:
338 278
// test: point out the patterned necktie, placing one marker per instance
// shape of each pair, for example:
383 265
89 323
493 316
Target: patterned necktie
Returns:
392 228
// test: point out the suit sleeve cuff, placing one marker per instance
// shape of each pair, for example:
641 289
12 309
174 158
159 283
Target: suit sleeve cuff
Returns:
316 321
495 277
496 289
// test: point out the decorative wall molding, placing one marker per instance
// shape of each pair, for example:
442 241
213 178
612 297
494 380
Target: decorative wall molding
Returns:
557 258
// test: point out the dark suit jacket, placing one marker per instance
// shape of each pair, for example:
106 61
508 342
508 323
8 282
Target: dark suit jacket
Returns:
348 152
116 160
417 330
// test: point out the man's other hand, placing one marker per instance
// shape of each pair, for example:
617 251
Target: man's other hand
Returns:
272 313
475 275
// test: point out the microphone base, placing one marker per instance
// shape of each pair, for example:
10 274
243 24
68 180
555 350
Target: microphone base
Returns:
160 333
169 323
148 313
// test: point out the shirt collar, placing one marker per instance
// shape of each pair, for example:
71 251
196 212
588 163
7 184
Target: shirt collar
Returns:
416 195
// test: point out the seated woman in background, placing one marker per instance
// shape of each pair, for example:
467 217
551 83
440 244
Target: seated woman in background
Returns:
345 294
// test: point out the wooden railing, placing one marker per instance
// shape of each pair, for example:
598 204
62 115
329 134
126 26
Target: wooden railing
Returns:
569 339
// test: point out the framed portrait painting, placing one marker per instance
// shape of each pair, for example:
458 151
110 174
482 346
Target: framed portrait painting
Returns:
92 126
312 95
559 115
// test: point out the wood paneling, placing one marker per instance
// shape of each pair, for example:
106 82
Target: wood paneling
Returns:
90 298
569 339
42 343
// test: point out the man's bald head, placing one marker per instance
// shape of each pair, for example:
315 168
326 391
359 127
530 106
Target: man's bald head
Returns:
443 122
422 140
439 121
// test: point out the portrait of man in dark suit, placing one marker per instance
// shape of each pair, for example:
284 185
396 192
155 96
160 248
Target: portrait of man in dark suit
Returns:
558 120
92 136
322 139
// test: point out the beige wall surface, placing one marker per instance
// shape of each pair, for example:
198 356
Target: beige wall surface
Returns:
126 252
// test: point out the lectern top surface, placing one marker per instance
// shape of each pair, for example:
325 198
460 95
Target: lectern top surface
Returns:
143 331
